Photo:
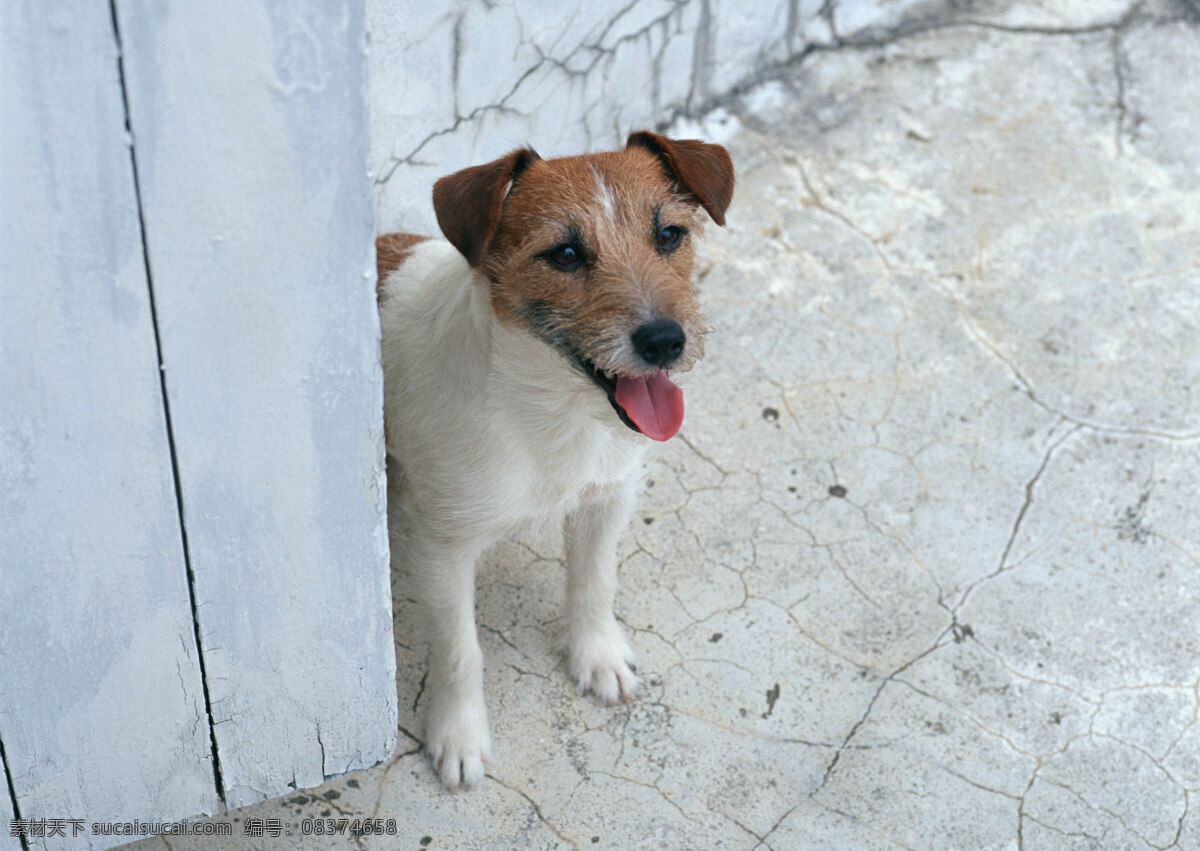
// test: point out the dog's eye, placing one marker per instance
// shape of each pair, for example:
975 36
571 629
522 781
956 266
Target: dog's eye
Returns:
566 257
669 237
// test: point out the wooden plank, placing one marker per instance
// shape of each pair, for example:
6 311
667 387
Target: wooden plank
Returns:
250 127
101 703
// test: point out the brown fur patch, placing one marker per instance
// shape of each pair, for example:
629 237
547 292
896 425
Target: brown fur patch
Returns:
391 250
611 206
468 203
703 171
614 217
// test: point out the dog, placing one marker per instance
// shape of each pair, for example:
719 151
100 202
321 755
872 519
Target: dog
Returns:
526 362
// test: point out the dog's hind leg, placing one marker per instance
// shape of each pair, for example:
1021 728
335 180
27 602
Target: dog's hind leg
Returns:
599 657
456 728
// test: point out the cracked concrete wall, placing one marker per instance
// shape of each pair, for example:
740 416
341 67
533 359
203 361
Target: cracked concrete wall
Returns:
454 84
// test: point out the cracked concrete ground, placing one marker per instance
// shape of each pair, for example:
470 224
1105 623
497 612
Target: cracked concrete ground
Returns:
923 568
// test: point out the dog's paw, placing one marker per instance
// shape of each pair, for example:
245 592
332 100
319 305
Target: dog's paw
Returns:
602 662
458 743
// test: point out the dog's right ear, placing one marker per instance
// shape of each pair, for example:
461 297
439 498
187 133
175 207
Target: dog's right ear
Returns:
468 202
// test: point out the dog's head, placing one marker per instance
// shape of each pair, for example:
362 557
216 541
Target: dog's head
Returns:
593 254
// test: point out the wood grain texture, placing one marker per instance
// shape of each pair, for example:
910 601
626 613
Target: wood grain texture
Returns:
101 704
250 127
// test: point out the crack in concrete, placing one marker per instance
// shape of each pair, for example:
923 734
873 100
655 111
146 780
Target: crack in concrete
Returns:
1120 69
321 744
1187 800
536 808
900 542
1027 387
874 38
701 56
968 321
979 786
1190 724
836 562
829 769
521 672
474 115
761 839
503 638
1135 747
1021 814
1090 733
865 826
663 22
420 691
950 630
1016 527
1101 809
687 816
1011 671
1072 834
381 787
831 650
828 11
958 710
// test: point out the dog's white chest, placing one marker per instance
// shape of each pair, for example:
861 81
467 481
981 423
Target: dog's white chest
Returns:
552 469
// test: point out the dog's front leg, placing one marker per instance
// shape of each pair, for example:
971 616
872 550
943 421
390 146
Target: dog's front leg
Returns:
456 728
598 656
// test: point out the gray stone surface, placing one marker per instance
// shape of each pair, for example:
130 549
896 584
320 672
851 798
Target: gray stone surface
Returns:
922 569
461 81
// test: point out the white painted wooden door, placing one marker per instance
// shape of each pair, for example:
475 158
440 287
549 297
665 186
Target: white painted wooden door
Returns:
194 598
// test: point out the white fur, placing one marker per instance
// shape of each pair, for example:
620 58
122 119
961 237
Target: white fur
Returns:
604 192
490 428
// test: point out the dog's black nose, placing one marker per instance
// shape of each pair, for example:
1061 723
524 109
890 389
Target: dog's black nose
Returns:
659 342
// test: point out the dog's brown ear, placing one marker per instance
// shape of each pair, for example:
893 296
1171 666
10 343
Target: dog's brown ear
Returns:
702 170
468 202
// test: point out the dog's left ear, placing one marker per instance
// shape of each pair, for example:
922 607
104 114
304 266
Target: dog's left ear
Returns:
702 170
468 202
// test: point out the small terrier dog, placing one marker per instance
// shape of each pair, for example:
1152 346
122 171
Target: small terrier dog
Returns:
525 363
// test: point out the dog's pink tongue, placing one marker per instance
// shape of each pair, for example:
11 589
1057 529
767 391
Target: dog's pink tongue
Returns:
654 404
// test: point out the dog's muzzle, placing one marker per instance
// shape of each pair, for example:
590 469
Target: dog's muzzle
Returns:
653 404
